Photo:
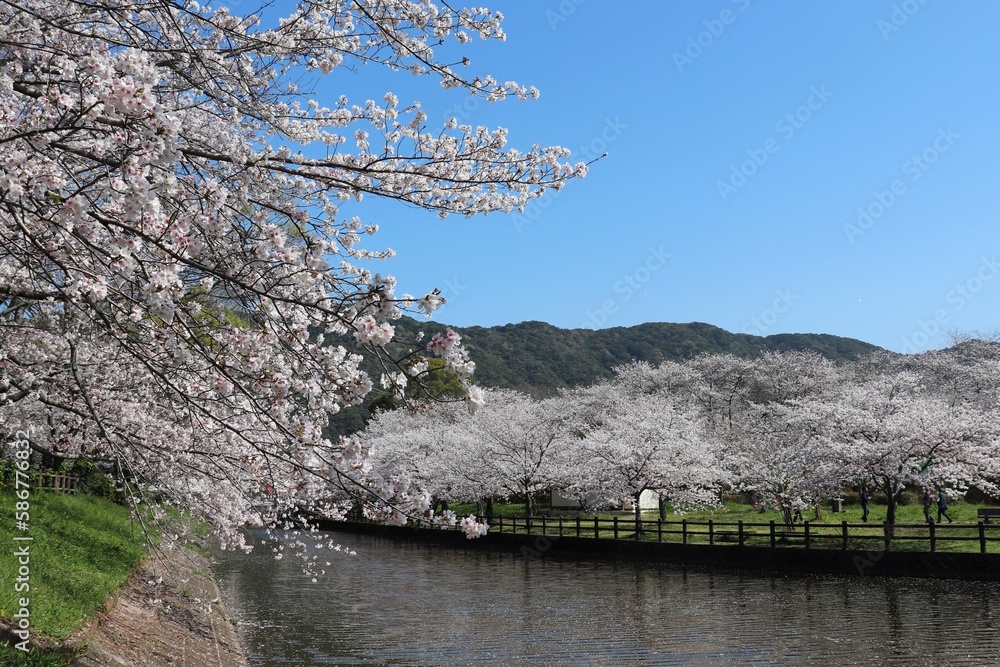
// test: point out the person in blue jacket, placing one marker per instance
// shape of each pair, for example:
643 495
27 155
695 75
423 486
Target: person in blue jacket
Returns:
943 506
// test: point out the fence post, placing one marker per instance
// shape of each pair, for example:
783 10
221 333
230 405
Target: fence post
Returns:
659 530
888 535
597 532
982 537
741 532
560 526
773 541
684 531
513 528
638 529
805 525
616 528
933 532
578 525
543 526
711 532
843 529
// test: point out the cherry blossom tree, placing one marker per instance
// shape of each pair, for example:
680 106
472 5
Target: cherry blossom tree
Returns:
886 425
527 445
776 447
648 442
434 446
720 388
184 287
967 377
778 454
669 377
968 373
513 446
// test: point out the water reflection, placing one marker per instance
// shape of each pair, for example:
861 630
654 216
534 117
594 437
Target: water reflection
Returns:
406 604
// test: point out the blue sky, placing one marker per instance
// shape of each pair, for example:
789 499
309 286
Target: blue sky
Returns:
772 167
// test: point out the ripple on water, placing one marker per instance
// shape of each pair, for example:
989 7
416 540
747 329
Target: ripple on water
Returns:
406 604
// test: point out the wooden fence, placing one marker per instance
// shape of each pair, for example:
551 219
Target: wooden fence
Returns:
56 482
845 536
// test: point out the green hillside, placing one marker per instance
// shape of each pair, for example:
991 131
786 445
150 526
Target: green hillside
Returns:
539 358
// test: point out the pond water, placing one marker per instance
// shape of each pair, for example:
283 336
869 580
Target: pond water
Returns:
399 603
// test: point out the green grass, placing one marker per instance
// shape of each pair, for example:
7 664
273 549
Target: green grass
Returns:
83 549
463 510
11 657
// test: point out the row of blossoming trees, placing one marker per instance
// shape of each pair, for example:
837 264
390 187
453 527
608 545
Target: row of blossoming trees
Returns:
185 289
793 429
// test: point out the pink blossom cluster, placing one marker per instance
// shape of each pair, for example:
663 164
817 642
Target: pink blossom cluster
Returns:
473 528
442 345
370 331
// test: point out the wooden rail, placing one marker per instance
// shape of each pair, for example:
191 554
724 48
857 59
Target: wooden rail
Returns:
56 482
987 513
809 535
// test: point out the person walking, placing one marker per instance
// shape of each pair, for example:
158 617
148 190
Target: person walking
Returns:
927 505
864 504
943 507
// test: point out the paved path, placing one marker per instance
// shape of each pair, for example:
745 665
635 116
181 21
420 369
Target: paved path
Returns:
170 614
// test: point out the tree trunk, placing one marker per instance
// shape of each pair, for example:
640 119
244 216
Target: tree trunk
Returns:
489 509
663 508
786 515
638 513
890 509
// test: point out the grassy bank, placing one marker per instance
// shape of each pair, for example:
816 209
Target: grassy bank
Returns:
82 549
11 657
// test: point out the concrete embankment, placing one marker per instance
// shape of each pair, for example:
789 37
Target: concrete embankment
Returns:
169 613
777 560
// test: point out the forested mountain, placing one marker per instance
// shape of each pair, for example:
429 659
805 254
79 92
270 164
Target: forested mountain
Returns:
539 358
